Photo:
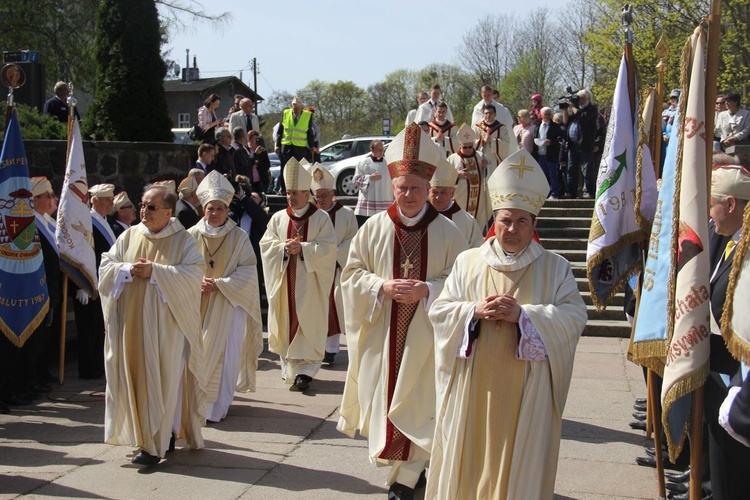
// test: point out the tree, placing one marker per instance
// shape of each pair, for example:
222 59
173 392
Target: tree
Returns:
35 125
345 105
459 89
129 101
735 48
576 21
487 51
393 98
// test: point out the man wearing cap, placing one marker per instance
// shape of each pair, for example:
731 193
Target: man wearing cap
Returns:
122 214
345 225
471 189
493 138
729 460
188 206
299 263
296 138
442 189
232 331
507 324
150 286
502 113
397 264
373 183
88 312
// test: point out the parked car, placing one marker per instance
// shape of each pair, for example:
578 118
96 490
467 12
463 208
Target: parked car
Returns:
349 147
181 135
343 172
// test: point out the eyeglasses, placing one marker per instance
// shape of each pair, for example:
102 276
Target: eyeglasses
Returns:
127 207
467 147
149 207
720 103
323 196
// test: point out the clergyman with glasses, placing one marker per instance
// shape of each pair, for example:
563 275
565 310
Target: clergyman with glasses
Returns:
150 286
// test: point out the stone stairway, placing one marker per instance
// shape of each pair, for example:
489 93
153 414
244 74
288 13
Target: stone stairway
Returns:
563 227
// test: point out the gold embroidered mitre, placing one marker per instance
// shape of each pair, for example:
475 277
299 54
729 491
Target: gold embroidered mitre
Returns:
518 182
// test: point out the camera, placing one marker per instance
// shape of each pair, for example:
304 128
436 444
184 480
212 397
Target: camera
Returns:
569 98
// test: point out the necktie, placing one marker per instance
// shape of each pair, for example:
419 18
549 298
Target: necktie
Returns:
728 249
248 123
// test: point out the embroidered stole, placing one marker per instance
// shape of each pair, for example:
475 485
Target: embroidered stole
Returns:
296 230
436 128
474 183
487 142
334 325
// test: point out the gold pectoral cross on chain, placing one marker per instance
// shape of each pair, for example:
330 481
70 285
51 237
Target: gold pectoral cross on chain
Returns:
406 267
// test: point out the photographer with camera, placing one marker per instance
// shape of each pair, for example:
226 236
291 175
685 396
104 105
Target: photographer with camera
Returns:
580 114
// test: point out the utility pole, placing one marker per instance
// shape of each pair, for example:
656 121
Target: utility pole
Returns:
255 76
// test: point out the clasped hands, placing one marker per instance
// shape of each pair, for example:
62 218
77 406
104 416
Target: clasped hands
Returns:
405 291
141 269
208 285
498 308
292 247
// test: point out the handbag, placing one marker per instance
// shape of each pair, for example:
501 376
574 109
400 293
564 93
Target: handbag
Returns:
195 132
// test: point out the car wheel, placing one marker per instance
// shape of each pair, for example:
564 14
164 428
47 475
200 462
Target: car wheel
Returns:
345 183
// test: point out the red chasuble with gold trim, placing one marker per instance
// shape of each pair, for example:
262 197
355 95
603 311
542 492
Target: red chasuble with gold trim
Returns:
473 182
297 230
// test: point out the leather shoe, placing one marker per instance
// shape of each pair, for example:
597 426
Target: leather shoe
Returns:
145 458
171 444
422 481
301 383
639 406
678 487
678 477
650 451
638 425
328 357
639 415
398 491
705 495
641 401
651 462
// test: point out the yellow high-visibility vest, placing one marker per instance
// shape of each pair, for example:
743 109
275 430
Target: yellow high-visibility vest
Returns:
295 134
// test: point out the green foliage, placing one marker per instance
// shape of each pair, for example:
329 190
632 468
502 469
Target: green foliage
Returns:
735 48
35 125
129 102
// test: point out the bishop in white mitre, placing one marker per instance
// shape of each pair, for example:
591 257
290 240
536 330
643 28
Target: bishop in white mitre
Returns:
471 188
442 189
506 328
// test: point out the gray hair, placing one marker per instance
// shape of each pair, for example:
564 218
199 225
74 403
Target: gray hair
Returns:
168 196
220 132
59 86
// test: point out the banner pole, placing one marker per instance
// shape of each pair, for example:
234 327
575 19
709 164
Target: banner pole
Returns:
63 322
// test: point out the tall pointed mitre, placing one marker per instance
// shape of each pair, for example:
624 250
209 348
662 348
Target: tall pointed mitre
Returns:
518 182
445 174
305 163
412 152
215 187
465 134
321 178
296 176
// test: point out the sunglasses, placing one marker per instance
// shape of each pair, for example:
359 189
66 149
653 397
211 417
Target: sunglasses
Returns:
149 207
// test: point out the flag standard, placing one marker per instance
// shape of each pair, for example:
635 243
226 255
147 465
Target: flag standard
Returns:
24 300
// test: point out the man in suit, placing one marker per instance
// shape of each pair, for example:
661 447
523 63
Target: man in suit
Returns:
244 118
188 206
122 214
89 317
548 152
729 460
245 209
206 153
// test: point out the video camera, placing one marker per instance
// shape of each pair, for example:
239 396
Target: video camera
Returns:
571 97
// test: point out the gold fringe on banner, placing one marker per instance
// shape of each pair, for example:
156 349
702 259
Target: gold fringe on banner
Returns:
643 139
599 257
20 340
86 274
738 346
678 390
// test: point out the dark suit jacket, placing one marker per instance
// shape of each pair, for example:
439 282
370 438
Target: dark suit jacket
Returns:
259 217
51 269
200 166
186 215
554 134
739 412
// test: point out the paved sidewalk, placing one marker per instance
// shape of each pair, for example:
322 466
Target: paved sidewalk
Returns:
279 444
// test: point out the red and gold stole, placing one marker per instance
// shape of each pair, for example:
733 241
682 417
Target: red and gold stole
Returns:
296 230
473 182
334 325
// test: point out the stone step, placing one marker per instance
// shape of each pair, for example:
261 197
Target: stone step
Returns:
570 203
578 222
612 313
599 328
563 232
577 255
579 269
555 212
616 303
556 244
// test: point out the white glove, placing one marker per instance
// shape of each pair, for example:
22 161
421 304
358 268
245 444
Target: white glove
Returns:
82 297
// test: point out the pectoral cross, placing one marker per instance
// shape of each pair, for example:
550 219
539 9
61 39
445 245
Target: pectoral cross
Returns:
406 267
211 263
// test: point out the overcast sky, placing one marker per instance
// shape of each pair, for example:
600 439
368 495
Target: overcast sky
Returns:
297 41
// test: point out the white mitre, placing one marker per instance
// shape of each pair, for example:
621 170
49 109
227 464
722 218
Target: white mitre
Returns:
465 134
215 187
304 163
518 182
445 174
321 178
296 176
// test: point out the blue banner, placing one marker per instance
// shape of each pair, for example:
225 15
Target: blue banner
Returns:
23 284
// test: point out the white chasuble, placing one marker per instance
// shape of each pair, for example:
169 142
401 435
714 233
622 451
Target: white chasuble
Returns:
471 193
499 418
389 394
448 141
466 224
150 323
298 286
231 262
345 225
494 143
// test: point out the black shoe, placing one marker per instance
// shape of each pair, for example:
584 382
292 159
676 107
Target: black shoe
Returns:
398 491
638 425
639 406
678 487
651 462
639 415
145 458
171 444
640 401
16 400
328 358
705 495
678 477
422 481
4 410
301 383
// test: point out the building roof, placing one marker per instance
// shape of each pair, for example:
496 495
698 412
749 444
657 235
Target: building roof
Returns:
203 85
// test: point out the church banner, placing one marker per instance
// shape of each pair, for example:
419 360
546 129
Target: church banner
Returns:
735 322
24 300
613 253
645 177
686 363
74 234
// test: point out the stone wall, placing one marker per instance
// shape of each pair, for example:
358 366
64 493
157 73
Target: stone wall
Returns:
127 165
